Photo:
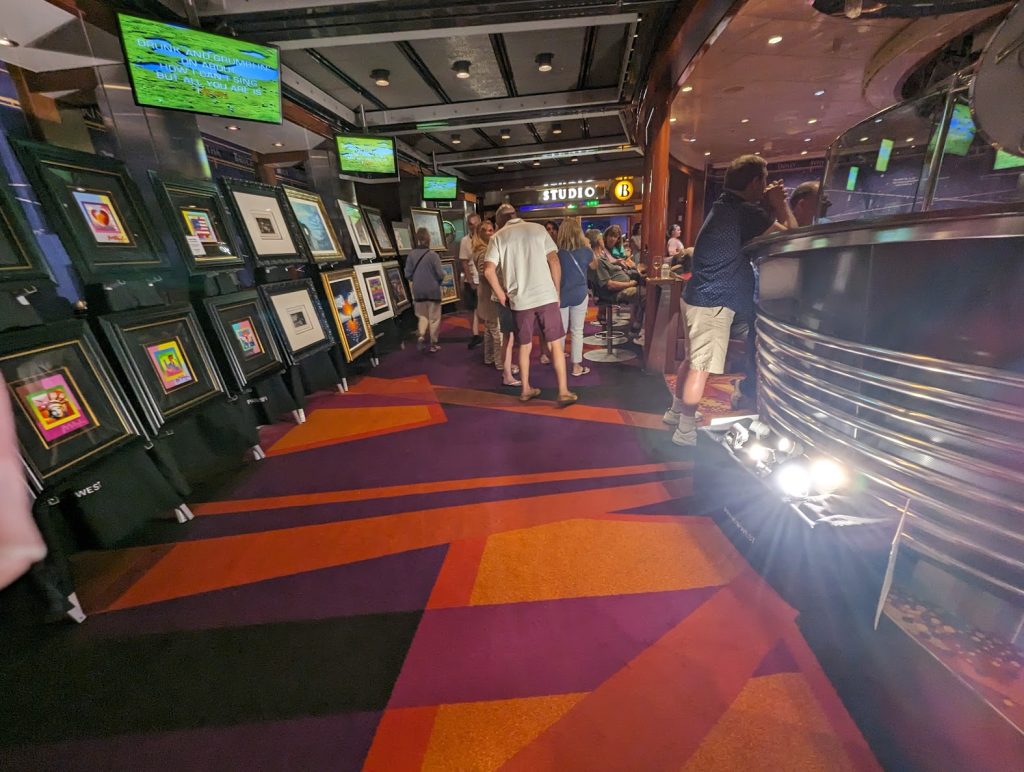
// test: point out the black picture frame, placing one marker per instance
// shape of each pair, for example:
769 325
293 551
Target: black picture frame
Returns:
21 259
287 301
165 358
400 294
264 218
382 240
245 357
64 358
96 209
198 217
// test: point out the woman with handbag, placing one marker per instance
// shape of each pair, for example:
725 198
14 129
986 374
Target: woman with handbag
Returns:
423 270
575 257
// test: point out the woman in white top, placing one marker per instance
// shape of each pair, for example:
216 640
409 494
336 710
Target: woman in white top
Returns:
675 244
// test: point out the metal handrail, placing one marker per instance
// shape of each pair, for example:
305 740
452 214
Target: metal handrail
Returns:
939 557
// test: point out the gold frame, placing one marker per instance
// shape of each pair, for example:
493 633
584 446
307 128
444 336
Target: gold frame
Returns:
349 273
314 198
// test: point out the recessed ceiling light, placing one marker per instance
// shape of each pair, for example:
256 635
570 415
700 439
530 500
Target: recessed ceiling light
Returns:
672 120
752 139
878 120
744 120
456 139
807 139
544 62
687 89
863 139
820 92
811 121
461 68
501 167
693 139
556 128
536 163
910 139
803 152
774 40
506 134
231 127
707 152
279 144
574 160
6 41
381 77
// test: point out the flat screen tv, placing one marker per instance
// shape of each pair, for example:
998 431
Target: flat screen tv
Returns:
366 155
179 68
440 188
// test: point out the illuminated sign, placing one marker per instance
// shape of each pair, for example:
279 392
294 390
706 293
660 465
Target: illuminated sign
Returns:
568 193
623 190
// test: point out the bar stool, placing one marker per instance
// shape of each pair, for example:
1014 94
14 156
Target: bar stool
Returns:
614 331
609 336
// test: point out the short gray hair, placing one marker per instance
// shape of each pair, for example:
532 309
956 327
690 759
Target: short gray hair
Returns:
505 213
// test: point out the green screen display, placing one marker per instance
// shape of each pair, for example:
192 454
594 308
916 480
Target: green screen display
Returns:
181 68
960 134
1006 160
884 154
440 188
851 179
370 155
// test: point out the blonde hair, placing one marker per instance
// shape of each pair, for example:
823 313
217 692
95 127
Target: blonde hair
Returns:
570 234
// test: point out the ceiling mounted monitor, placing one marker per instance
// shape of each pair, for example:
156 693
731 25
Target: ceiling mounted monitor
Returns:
179 68
440 188
373 155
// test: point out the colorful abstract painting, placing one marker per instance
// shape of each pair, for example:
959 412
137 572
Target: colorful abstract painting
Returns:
101 217
170 365
248 339
54 405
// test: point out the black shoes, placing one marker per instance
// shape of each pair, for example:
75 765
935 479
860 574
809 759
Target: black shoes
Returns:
475 341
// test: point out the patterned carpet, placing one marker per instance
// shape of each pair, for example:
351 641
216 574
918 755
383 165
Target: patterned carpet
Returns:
430 575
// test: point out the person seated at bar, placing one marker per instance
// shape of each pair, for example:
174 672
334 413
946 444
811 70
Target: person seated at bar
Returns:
613 242
614 281
678 255
807 203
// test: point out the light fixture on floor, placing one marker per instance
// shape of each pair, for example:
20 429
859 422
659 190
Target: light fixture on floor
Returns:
461 68
544 62
381 77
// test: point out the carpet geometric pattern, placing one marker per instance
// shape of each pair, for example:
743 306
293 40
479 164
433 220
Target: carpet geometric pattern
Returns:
430 575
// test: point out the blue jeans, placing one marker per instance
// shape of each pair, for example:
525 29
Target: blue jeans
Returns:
572 321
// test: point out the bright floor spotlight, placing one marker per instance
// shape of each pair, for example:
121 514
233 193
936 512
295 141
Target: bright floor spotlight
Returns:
794 480
760 429
784 444
758 452
827 475
737 436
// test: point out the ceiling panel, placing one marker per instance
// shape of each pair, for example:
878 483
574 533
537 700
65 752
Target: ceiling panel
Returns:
470 140
407 88
570 130
565 44
485 81
608 126
520 135
608 48
322 78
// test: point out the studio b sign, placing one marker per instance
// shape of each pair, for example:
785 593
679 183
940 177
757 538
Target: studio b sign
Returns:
580 193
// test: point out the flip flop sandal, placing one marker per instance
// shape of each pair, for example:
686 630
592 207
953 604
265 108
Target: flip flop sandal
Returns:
545 360
567 400
582 372
514 383
531 394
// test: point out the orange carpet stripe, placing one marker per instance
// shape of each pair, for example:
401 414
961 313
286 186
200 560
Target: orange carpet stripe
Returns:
401 741
370 423
233 506
454 585
413 384
654 713
229 561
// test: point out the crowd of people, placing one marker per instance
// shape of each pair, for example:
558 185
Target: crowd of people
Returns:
524 279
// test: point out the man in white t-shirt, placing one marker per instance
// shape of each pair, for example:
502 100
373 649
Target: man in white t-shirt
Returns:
532 274
472 275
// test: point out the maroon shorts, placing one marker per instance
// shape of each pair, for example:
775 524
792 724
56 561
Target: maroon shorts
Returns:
547 318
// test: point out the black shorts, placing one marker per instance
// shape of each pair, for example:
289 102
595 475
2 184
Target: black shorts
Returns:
506 321
469 296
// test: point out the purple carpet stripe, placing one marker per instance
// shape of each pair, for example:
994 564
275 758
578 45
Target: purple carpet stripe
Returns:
393 583
528 649
338 743
778 660
685 506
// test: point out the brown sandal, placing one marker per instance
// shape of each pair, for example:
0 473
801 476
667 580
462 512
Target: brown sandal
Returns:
531 394
567 400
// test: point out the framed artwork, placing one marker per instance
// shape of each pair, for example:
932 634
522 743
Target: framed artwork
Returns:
431 220
403 237
266 222
96 210
450 285
67 405
166 359
396 281
241 324
376 292
379 232
20 256
298 317
358 230
349 311
315 225
197 214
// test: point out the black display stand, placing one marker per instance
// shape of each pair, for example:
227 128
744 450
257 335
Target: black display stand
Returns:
270 399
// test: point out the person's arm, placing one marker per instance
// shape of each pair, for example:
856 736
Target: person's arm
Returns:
491 275
555 266
775 194
592 265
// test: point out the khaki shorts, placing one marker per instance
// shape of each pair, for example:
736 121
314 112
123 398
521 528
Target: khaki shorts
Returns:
707 336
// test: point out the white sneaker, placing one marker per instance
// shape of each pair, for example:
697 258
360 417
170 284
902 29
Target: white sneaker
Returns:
671 417
685 434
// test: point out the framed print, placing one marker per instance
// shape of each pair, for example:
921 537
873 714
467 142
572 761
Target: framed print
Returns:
450 286
20 256
358 231
67 405
396 281
376 292
379 232
197 215
349 311
96 210
240 324
403 236
266 222
298 317
431 220
315 225
166 359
